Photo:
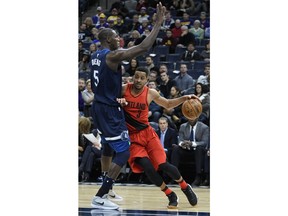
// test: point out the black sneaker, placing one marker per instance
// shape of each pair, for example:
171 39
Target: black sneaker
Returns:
191 196
173 200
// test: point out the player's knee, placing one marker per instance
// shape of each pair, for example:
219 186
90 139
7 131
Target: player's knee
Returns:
164 166
121 158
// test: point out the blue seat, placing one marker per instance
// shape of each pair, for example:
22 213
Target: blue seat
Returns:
142 63
180 50
200 48
195 73
199 65
173 57
161 51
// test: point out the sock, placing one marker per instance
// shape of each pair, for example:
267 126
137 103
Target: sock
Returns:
104 174
167 190
106 185
183 184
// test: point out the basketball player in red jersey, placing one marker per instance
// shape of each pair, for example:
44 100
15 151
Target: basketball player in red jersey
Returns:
146 151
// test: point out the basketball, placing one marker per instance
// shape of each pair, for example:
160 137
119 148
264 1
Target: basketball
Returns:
192 109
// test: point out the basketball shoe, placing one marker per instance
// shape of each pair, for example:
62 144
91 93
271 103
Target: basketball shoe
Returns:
103 203
173 200
113 196
191 196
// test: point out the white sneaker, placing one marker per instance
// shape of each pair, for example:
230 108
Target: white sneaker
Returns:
113 196
103 203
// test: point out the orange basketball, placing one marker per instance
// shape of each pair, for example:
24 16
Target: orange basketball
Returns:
192 109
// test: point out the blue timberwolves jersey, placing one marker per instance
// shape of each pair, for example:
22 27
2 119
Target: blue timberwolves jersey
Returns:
106 83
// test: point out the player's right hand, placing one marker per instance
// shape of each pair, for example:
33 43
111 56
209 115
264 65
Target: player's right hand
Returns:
160 13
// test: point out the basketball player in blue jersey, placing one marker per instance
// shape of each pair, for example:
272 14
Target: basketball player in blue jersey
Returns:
108 116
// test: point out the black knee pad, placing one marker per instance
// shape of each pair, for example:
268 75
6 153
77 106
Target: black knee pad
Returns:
170 170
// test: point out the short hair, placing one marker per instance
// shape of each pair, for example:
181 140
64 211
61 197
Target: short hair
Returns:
163 118
104 33
143 69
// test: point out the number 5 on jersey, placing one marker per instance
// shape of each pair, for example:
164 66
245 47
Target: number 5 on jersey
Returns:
96 79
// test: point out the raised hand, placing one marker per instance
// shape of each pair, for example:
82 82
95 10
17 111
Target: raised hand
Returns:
160 13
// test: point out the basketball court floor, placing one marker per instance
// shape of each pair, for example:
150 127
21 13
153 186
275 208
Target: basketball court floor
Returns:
143 199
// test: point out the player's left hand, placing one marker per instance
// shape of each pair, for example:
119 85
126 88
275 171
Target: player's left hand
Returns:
122 101
192 96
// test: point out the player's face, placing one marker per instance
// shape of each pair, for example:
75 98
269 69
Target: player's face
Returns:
115 41
140 79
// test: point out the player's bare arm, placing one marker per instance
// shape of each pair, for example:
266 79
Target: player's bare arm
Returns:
168 103
119 55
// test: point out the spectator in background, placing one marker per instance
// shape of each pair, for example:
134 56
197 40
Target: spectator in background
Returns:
94 36
186 20
193 141
202 5
81 50
169 40
144 25
135 35
197 31
204 21
102 22
126 78
120 6
206 52
83 65
140 4
201 91
174 7
89 25
83 32
88 97
175 114
153 76
135 24
96 17
155 111
205 79
131 7
133 64
91 152
184 81
114 15
149 63
191 54
81 87
166 84
84 127
176 29
167 135
167 22
186 37
92 48
120 27
143 14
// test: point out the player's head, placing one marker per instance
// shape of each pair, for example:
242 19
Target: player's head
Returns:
140 77
109 38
